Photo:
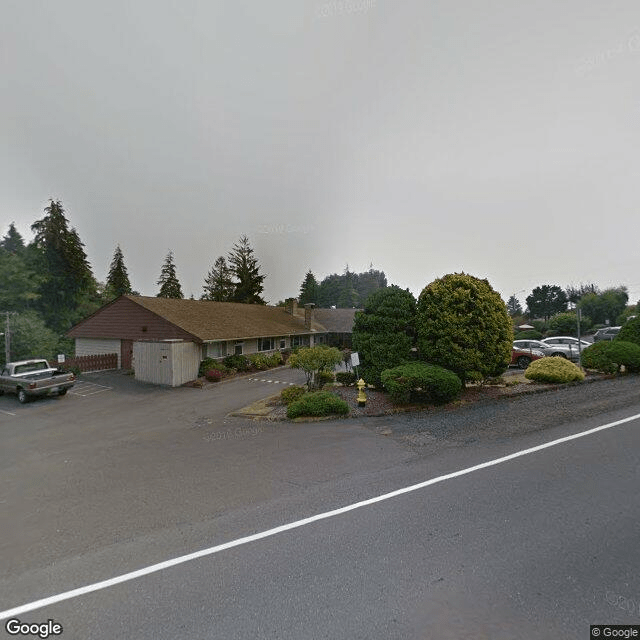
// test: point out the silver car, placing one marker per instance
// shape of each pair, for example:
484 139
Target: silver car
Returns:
568 344
538 345
608 333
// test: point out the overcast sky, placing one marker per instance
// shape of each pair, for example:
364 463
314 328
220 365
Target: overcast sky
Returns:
497 138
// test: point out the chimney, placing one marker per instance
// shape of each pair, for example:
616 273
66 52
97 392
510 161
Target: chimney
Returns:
290 306
308 315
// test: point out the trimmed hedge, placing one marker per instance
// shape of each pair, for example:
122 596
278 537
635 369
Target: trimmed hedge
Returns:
553 370
610 355
430 380
237 362
529 334
318 403
346 378
291 394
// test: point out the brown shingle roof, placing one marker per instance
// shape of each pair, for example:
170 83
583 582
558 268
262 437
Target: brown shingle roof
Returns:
225 320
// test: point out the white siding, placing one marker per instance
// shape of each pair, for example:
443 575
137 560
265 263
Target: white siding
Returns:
167 363
97 347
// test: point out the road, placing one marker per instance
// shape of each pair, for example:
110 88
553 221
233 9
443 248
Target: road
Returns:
537 546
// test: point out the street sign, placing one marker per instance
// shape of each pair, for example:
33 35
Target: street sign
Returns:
355 360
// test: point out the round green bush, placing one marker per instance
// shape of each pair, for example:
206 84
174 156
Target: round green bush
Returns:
324 377
610 356
318 403
237 362
463 325
553 370
630 332
290 394
206 365
421 379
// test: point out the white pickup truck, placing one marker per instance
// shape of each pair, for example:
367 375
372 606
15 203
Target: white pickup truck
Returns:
29 379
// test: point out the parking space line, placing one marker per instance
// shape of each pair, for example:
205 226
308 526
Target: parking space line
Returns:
88 389
7 412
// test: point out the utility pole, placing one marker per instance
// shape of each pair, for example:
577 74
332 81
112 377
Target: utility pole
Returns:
7 336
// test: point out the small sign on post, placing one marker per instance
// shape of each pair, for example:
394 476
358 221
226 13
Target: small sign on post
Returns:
61 358
355 361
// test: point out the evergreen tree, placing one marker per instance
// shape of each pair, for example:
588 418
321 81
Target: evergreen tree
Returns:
514 307
67 282
308 290
118 279
169 284
244 266
348 297
218 285
13 242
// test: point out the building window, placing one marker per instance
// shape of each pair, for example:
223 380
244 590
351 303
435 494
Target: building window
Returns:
283 343
300 341
216 349
238 348
266 344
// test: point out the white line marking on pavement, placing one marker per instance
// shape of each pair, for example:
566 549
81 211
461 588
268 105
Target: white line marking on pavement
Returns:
7 412
104 584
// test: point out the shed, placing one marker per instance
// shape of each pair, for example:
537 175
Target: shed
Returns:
166 362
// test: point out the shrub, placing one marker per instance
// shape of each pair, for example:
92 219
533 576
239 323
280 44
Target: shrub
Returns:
630 332
313 360
529 334
275 359
383 333
206 365
346 378
291 393
318 403
463 325
553 370
259 361
324 377
431 381
237 362
213 375
610 356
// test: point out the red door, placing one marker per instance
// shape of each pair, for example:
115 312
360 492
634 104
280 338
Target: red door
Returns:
126 354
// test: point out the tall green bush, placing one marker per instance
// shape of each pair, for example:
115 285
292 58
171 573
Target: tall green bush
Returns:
463 325
630 331
566 324
383 333
313 360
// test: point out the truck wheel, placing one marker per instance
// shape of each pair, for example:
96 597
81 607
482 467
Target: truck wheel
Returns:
23 398
62 392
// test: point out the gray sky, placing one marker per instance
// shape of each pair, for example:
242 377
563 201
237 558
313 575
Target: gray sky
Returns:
497 138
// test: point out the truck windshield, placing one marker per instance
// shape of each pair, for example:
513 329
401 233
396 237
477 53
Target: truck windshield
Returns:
31 366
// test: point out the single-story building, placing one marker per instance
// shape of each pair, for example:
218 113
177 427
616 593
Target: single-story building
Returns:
164 339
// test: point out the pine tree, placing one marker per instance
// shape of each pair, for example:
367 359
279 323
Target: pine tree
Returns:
348 297
218 285
514 307
118 279
169 284
68 286
13 242
308 289
244 266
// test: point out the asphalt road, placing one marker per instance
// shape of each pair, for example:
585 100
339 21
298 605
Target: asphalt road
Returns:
540 546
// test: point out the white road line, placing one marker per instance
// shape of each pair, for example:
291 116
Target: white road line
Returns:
7 412
161 566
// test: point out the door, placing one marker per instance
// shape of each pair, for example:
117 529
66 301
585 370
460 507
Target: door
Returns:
126 354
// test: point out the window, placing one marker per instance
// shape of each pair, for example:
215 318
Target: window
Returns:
300 341
266 344
283 343
237 350
216 349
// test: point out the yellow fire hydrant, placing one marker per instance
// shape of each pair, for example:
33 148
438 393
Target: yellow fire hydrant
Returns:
362 399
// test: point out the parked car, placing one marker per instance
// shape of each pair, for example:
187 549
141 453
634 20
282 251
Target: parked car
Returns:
568 344
30 379
524 357
538 345
608 333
